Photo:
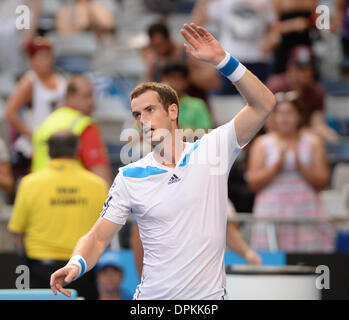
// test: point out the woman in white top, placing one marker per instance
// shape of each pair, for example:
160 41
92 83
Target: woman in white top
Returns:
41 88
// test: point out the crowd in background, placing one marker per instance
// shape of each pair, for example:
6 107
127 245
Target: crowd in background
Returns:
280 173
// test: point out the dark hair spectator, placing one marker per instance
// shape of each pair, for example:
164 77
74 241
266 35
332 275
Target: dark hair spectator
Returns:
300 77
158 28
193 111
63 144
63 188
162 49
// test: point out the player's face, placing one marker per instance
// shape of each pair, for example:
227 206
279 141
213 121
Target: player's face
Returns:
152 118
286 118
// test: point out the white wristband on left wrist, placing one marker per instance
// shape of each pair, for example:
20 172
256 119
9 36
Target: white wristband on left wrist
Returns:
80 262
231 68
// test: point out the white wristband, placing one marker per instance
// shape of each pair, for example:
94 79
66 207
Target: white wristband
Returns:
80 262
231 68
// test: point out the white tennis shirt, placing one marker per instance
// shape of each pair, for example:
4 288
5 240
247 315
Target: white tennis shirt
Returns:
181 214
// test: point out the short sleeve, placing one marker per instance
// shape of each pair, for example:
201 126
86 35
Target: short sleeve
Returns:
19 218
117 206
92 151
222 148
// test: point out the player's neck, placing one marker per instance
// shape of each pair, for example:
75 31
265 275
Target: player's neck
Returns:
169 152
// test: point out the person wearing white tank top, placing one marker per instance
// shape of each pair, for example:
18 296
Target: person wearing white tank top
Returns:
41 88
44 99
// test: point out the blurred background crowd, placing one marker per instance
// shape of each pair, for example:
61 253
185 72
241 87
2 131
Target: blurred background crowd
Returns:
74 68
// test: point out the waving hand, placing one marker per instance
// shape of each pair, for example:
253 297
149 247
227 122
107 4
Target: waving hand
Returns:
202 44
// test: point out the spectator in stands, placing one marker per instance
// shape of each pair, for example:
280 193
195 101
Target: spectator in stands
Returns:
75 116
340 23
193 112
300 77
243 31
110 274
11 60
163 49
287 167
40 88
53 209
6 178
85 15
295 20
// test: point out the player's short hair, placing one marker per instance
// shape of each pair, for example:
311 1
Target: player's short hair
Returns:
63 144
166 94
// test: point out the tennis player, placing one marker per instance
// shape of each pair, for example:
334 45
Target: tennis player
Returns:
177 192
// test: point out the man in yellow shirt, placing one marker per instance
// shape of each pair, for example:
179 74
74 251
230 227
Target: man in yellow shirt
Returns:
53 209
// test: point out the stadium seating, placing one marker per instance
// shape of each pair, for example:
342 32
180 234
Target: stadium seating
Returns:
82 44
225 107
340 176
337 106
111 113
336 202
7 85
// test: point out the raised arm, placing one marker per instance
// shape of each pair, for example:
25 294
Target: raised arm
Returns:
260 100
90 247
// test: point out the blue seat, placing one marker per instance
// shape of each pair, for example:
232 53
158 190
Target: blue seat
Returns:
277 258
35 294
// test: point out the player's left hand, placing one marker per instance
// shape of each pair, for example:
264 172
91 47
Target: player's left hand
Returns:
202 44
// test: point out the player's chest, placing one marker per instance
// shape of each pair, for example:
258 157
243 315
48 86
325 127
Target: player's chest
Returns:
165 195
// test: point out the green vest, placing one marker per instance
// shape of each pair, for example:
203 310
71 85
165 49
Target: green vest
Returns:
64 118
